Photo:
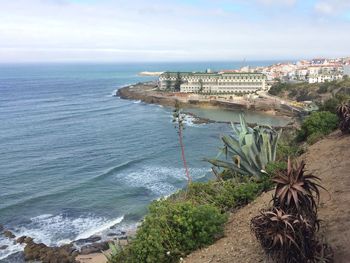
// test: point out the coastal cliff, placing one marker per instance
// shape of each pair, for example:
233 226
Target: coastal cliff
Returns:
149 93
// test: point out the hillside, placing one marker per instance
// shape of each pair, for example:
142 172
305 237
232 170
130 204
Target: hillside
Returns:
327 159
318 92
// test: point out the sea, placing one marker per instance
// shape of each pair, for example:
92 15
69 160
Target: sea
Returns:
75 160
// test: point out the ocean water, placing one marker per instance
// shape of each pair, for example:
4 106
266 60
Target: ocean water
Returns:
74 160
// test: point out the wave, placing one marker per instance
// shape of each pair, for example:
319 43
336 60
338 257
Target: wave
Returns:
162 181
11 247
137 101
100 229
97 178
117 168
189 120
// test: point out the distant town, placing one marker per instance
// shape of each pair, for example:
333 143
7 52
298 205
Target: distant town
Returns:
248 80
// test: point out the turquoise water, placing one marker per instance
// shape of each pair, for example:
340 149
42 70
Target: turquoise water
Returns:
222 115
74 160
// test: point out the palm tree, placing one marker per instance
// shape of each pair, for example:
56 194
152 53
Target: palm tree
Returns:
179 125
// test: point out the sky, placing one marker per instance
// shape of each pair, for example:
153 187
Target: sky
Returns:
164 30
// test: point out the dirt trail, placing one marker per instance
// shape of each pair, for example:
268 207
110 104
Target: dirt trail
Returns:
328 159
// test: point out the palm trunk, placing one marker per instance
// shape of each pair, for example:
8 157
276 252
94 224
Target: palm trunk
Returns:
189 179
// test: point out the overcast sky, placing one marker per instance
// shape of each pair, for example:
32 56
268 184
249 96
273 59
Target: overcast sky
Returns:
164 30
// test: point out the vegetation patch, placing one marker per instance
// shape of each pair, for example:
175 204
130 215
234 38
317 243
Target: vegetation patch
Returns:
171 230
318 124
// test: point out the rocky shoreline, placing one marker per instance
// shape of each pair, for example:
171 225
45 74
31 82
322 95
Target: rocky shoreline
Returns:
67 253
148 92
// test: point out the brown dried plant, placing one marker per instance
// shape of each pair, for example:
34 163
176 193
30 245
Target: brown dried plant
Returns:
288 232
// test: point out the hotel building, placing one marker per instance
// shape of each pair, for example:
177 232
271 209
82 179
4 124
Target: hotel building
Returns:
212 83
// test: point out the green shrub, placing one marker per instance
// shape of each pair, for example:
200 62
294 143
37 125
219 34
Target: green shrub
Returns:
330 105
322 122
278 88
276 167
172 230
315 137
217 193
227 195
288 149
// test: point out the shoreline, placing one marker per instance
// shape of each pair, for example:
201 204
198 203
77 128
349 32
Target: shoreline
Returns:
147 92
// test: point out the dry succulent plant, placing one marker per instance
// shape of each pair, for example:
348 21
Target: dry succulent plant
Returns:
274 229
296 190
288 231
343 112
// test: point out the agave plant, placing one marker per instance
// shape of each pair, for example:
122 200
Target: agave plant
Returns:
115 250
343 112
296 190
247 151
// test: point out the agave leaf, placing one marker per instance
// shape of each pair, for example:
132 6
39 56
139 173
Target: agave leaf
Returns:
227 165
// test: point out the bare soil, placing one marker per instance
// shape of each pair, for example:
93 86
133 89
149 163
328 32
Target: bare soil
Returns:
328 159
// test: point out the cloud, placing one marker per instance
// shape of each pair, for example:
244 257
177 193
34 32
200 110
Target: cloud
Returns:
135 30
278 2
332 7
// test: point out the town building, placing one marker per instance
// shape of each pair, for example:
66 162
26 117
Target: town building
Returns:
212 83
347 70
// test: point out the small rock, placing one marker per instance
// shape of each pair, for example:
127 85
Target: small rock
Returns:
91 239
3 247
21 239
1 228
9 234
112 234
94 248
28 240
123 237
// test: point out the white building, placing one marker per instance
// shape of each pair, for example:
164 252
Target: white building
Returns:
320 78
212 83
347 70
325 73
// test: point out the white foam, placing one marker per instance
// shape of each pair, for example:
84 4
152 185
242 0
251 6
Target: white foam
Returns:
189 120
11 249
137 101
99 229
157 178
59 229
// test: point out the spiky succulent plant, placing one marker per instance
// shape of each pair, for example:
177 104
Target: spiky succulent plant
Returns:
343 112
247 151
287 232
274 229
296 190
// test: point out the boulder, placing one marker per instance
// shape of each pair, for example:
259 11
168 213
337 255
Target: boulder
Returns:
41 252
21 239
91 239
28 240
94 248
3 247
9 234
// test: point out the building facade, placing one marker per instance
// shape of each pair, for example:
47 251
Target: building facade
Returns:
212 83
